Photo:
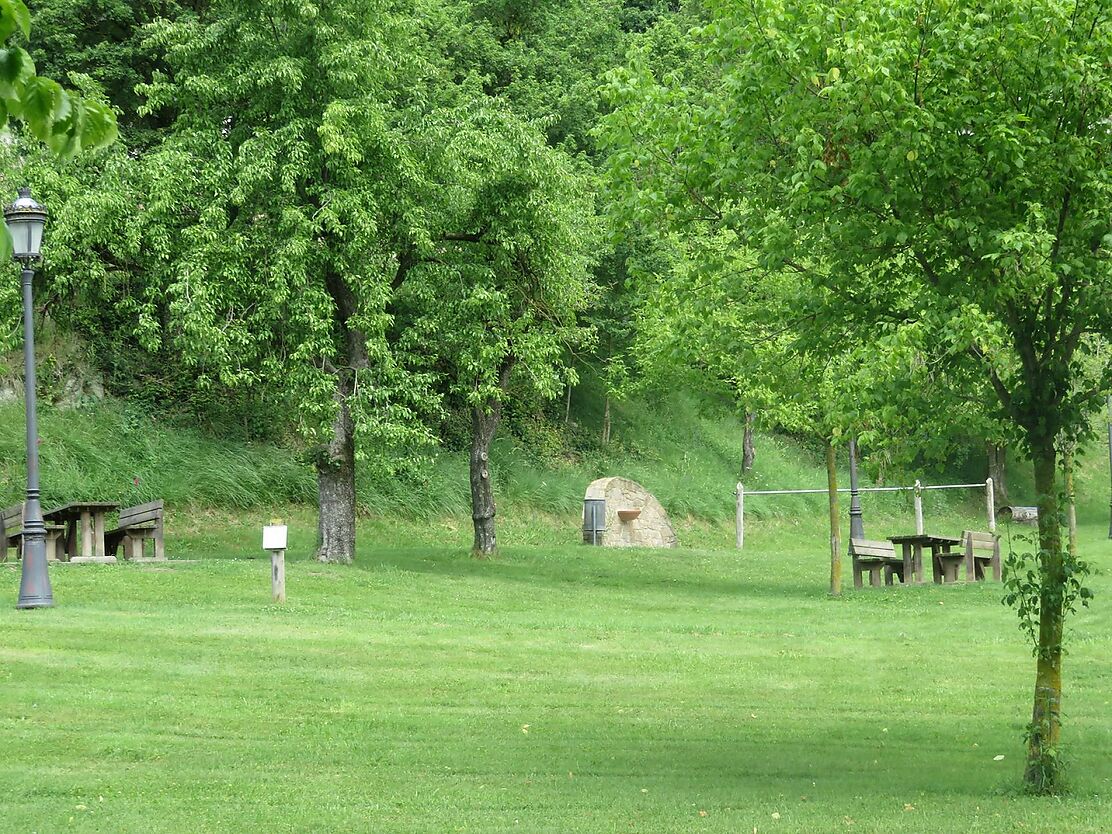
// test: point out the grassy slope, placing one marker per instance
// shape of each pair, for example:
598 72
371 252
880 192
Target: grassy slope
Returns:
687 456
558 689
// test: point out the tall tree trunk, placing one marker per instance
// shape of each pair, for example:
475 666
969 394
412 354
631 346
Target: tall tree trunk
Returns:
606 422
567 407
748 452
835 534
1043 773
336 464
336 487
998 471
483 426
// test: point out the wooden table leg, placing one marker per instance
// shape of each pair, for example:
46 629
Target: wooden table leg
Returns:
936 565
98 534
86 535
71 539
909 563
918 562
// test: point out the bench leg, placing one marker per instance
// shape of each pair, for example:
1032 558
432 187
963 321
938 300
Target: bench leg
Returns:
52 546
159 546
857 583
937 568
874 576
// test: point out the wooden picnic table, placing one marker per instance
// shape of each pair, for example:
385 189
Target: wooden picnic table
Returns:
940 548
91 516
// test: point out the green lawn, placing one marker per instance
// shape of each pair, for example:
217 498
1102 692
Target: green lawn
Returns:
557 689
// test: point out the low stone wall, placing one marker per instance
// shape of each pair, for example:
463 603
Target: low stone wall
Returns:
646 523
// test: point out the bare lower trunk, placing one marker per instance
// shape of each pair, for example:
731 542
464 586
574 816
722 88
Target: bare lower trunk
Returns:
998 471
748 451
336 490
1043 773
835 534
483 426
336 463
567 407
606 422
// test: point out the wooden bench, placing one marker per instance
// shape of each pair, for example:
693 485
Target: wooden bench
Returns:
11 534
981 550
135 526
873 557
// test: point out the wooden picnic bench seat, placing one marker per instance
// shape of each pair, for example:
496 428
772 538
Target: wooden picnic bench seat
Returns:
135 526
873 556
11 534
981 550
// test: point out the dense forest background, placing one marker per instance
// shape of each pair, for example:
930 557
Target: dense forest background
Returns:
377 234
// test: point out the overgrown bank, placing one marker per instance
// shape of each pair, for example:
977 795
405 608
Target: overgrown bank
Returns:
688 452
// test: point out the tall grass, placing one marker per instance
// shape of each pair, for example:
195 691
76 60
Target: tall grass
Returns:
110 452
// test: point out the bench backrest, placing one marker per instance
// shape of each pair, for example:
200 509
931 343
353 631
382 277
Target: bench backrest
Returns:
11 519
142 514
865 547
981 542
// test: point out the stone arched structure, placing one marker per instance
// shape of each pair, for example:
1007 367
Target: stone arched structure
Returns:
634 518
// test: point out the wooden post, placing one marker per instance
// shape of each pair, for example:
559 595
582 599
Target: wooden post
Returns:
740 493
918 508
278 575
835 535
990 502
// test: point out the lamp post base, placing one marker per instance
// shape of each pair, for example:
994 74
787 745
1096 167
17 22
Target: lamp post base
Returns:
34 581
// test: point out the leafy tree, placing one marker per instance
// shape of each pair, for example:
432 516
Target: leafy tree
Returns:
289 202
501 301
934 163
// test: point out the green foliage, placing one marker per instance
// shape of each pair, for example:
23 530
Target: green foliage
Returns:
507 295
799 128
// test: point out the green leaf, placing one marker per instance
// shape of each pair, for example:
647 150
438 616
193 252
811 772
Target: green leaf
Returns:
16 67
41 99
100 128
13 16
5 243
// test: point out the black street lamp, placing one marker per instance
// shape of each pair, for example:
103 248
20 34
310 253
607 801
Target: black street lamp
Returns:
26 219
856 522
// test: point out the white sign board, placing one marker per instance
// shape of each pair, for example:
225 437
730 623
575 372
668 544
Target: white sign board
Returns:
274 537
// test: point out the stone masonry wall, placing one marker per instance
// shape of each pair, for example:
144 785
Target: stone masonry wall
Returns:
651 528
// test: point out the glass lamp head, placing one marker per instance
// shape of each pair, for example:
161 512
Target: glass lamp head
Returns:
25 219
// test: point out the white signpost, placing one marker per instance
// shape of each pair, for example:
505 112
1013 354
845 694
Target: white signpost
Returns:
274 540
